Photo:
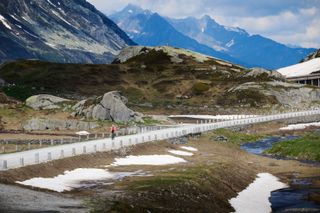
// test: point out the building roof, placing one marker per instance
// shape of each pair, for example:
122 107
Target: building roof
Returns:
301 69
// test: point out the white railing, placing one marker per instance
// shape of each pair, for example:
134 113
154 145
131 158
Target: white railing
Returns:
43 155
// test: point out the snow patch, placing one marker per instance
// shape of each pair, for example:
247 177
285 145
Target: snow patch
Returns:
148 160
182 153
301 69
15 18
230 43
30 34
72 179
256 195
51 3
58 15
130 11
300 126
202 29
189 148
5 23
51 45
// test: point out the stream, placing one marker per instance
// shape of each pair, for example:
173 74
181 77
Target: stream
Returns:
300 196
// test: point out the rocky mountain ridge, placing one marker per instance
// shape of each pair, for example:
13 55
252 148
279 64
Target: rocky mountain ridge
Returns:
151 29
228 43
66 31
313 55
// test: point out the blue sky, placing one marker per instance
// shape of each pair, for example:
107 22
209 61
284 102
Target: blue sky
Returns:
295 22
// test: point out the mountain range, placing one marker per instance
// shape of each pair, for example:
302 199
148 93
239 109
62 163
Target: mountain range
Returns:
66 31
206 36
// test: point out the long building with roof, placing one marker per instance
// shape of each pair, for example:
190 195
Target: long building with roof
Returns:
307 72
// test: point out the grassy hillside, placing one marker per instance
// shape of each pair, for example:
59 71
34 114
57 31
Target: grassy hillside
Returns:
305 148
153 78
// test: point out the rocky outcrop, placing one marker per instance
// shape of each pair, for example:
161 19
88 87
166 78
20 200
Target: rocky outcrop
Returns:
175 55
38 124
316 54
275 92
111 106
4 99
65 31
39 102
260 73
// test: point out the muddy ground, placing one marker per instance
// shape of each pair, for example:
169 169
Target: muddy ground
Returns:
216 173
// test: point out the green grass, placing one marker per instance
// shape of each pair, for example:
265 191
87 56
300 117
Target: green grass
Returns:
156 183
19 92
150 121
171 178
199 88
305 148
236 137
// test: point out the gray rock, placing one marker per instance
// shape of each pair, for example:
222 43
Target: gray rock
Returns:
38 124
146 104
287 94
43 101
179 140
220 138
2 82
111 106
260 72
99 112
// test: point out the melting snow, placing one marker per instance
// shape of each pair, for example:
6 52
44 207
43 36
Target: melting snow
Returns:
189 148
148 160
301 69
182 153
72 179
256 195
300 126
4 22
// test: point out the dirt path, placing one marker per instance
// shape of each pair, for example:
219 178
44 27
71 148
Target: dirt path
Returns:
18 199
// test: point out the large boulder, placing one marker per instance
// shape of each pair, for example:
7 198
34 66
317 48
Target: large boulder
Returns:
39 124
111 106
43 101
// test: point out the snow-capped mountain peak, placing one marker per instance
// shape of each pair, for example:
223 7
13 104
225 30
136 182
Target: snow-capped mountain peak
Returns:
248 50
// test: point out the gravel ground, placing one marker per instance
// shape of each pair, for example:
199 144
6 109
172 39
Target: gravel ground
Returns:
17 199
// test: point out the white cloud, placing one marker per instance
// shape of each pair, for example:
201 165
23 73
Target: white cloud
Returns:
300 28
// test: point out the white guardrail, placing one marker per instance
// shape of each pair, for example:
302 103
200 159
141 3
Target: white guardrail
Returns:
43 155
